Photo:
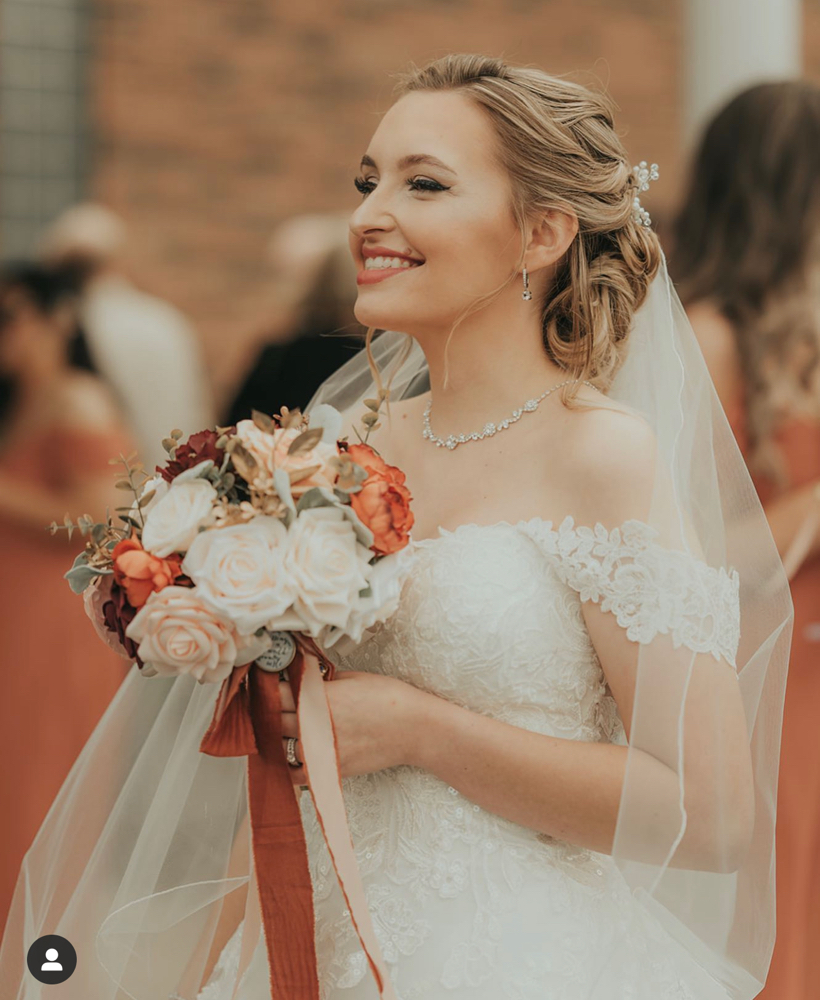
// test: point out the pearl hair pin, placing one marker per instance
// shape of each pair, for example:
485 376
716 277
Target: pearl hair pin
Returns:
643 175
454 440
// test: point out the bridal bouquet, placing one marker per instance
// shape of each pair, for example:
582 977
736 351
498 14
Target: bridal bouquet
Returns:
256 547
272 526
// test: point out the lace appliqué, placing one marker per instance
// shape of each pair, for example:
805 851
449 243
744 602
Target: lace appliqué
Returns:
650 589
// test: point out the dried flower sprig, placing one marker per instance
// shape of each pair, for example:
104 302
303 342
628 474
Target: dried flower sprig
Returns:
370 419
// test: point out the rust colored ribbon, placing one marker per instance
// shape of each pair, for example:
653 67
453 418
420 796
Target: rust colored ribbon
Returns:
247 721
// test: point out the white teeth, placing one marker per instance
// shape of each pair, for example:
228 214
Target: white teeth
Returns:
373 263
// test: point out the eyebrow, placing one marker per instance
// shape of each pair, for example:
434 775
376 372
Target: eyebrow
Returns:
412 160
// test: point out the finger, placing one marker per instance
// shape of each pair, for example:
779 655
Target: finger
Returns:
290 724
286 696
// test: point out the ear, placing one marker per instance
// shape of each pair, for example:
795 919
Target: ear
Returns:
550 237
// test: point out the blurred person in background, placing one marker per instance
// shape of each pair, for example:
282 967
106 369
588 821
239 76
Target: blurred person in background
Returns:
143 347
746 259
58 429
314 331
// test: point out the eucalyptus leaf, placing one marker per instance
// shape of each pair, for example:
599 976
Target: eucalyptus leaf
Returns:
263 421
80 577
363 533
306 441
319 496
281 483
297 475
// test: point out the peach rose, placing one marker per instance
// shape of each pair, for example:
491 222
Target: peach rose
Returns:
179 634
140 573
271 452
383 503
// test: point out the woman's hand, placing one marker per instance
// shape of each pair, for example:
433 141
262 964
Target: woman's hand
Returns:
375 719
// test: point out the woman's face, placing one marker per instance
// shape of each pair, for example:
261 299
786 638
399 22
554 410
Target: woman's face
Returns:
456 216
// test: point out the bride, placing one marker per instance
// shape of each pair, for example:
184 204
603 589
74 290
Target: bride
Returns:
559 755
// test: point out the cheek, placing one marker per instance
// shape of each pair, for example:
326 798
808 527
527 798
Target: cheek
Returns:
482 238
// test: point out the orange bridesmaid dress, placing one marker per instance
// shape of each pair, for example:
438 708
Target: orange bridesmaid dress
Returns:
58 677
793 974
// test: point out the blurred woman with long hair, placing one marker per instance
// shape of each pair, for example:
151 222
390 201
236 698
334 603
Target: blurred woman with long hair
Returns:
58 429
313 330
747 263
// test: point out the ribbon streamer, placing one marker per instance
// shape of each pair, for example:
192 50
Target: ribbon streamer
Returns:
247 721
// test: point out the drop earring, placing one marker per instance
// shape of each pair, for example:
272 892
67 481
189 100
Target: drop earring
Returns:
526 294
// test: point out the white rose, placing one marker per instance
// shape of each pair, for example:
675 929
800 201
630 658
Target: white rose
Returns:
238 571
179 634
173 523
386 579
328 566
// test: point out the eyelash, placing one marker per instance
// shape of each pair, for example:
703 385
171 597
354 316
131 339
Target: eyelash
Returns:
416 184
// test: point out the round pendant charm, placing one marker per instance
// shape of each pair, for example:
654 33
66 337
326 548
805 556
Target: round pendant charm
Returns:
280 654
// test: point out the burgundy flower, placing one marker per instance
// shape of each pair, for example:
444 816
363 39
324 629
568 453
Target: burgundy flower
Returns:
198 448
118 615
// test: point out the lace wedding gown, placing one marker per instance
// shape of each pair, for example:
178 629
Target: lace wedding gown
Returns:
466 904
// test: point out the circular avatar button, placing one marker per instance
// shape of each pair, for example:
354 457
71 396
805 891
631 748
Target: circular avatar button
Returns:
51 959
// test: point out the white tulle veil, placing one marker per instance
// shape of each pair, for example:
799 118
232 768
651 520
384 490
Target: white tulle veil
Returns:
142 862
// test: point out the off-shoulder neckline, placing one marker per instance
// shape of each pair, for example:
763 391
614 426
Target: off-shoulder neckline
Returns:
567 522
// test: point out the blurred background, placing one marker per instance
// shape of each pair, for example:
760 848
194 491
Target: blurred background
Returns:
175 179
206 124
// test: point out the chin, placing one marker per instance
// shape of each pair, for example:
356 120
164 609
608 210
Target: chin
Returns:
381 319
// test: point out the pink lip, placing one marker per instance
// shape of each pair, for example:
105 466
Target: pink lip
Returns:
365 277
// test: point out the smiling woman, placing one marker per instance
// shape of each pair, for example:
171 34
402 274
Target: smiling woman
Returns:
558 755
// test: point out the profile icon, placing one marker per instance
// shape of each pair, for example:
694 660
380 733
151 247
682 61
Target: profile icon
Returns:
52 965
51 959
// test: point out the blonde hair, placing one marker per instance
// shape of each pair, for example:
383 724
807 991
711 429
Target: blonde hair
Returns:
557 141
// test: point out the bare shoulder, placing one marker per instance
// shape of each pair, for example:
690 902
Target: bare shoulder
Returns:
87 402
718 343
610 458
713 331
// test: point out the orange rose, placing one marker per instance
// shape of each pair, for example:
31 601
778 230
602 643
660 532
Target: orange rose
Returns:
383 503
141 574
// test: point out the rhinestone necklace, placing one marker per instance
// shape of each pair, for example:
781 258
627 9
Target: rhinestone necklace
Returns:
454 440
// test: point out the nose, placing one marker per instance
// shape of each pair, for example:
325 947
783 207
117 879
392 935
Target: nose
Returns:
372 216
